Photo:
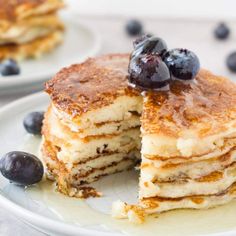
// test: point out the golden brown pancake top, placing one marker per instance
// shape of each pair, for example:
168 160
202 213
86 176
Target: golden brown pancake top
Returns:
11 10
204 106
91 85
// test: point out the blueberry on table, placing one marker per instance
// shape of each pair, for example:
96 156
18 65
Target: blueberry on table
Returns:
182 63
148 72
33 122
222 31
231 62
134 27
9 67
152 45
21 168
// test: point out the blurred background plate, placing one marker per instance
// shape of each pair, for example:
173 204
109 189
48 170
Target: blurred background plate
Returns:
80 42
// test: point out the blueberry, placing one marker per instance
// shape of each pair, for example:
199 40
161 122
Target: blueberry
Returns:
134 27
21 168
9 67
141 39
231 61
33 122
182 63
148 72
222 31
152 45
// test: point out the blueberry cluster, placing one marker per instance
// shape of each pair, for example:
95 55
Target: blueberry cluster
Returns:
152 66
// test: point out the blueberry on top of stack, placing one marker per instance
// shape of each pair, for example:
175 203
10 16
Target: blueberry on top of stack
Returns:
153 66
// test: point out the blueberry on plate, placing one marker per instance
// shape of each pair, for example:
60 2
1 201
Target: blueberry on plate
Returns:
231 62
134 27
182 63
33 122
141 39
148 72
9 67
222 31
21 168
152 45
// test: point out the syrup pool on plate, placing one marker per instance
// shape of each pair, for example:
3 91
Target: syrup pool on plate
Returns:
95 211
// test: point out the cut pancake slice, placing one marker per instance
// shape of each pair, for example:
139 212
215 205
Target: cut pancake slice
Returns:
92 126
116 123
74 149
70 176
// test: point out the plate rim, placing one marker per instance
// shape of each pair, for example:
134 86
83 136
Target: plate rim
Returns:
39 220
23 80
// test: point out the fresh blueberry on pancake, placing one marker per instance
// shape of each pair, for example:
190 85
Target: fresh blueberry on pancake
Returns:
33 122
222 31
148 72
141 39
21 168
134 27
231 62
151 45
182 63
9 67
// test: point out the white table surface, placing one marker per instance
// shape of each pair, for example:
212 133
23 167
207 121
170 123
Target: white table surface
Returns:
195 34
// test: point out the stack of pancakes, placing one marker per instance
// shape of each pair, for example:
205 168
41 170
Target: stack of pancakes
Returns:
188 135
188 147
29 28
92 127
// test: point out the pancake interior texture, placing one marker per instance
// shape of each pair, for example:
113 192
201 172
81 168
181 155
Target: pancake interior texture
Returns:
187 138
92 127
28 28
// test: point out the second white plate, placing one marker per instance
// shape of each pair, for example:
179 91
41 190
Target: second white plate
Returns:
80 42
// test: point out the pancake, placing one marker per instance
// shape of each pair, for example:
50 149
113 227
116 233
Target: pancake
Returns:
70 177
34 49
212 183
13 11
137 213
86 92
29 29
190 119
74 149
101 128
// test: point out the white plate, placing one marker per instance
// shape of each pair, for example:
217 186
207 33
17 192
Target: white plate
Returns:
80 42
35 208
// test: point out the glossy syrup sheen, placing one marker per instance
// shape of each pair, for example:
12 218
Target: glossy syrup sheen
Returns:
204 106
174 223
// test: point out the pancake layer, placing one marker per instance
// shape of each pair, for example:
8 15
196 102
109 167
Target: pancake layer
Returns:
34 49
28 28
